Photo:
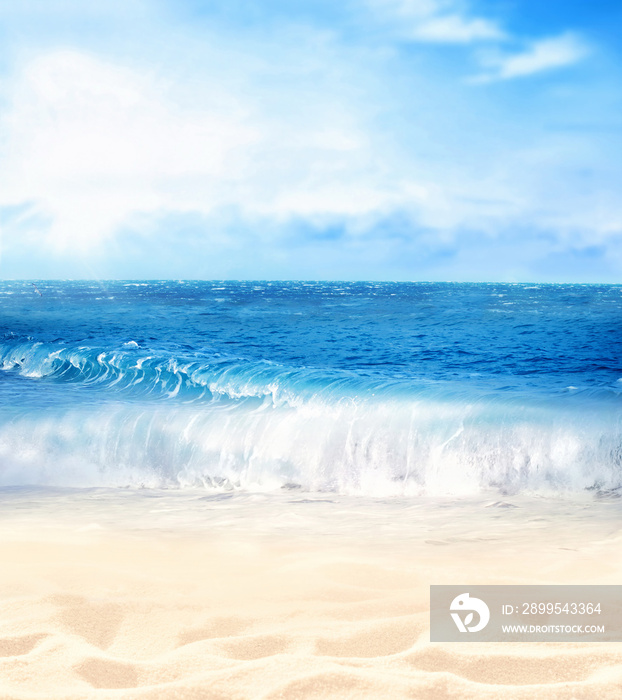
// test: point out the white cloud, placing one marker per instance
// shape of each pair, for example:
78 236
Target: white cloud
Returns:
542 55
95 145
301 127
435 21
455 29
449 22
90 142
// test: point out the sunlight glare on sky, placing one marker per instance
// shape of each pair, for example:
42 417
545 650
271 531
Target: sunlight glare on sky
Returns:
369 139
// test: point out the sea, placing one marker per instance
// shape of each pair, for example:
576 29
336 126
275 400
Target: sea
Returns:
361 389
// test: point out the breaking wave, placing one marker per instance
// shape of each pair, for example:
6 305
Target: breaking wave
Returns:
227 423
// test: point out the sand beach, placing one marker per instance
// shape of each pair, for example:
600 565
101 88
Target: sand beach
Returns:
127 594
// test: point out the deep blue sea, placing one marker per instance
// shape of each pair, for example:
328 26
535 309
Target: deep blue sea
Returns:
376 389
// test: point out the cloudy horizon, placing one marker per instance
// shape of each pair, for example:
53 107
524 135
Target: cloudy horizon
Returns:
377 139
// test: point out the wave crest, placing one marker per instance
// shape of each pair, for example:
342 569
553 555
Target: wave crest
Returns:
222 422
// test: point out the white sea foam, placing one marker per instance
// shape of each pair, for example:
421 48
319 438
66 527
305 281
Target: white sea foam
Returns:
366 448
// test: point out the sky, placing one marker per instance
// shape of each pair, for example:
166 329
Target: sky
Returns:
271 139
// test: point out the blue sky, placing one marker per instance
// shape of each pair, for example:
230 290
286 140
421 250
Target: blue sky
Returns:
267 139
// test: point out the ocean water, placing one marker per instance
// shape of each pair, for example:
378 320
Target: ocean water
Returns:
361 389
